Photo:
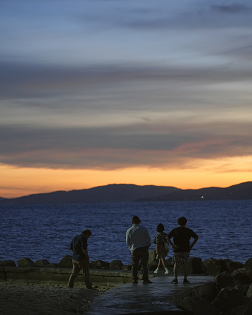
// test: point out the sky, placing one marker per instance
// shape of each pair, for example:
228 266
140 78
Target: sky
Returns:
118 91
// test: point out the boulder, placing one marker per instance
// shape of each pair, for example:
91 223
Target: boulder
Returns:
152 257
152 261
248 264
52 266
116 265
196 265
42 262
244 275
206 291
215 266
248 309
7 263
233 265
99 264
169 262
66 262
126 267
238 310
223 280
26 262
228 298
249 292
198 306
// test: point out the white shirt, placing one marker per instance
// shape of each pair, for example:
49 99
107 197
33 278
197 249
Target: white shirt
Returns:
137 236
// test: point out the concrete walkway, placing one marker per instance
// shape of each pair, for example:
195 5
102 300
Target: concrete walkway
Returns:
144 298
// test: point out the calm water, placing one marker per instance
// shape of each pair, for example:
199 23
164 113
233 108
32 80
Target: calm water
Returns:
45 231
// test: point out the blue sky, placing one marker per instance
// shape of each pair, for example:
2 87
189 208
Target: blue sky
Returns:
108 85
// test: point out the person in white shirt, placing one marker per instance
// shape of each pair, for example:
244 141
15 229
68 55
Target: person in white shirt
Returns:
138 241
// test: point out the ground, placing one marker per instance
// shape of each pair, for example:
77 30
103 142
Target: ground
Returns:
43 299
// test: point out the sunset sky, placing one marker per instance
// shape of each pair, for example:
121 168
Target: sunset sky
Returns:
139 92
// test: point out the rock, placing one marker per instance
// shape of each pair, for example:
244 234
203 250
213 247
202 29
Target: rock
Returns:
7 263
238 310
66 262
215 266
26 262
248 309
228 298
116 265
99 264
248 264
249 292
196 265
244 275
169 262
52 266
152 257
233 265
198 306
126 267
206 291
152 266
42 263
223 280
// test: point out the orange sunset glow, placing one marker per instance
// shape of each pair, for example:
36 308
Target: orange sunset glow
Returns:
25 181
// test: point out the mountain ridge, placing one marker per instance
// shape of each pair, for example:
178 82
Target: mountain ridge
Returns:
136 193
107 193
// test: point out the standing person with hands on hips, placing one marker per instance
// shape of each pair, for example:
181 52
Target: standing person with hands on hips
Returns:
181 247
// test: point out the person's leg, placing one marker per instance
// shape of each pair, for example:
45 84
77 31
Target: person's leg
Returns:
84 264
144 259
74 274
134 261
176 262
185 261
175 271
164 264
185 271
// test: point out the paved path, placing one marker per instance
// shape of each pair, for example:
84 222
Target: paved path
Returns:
140 298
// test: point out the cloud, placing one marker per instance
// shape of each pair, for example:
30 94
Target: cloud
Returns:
113 148
232 9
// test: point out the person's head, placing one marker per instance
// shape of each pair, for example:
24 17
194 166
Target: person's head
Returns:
136 220
160 228
87 233
182 221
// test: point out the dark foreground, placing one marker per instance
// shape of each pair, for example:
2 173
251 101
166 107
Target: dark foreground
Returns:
45 299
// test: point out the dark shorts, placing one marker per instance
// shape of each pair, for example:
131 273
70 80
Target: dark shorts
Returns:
181 258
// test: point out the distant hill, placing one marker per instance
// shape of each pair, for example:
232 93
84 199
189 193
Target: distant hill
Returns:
241 191
109 193
129 193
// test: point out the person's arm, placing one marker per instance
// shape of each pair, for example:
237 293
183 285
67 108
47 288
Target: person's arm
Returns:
194 242
170 242
128 240
85 251
148 238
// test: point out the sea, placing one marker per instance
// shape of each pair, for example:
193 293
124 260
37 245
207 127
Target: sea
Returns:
45 231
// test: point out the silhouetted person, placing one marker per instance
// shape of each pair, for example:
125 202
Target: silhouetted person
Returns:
181 247
138 241
160 239
80 258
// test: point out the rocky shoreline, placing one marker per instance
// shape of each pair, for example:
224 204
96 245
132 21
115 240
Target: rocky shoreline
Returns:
39 291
